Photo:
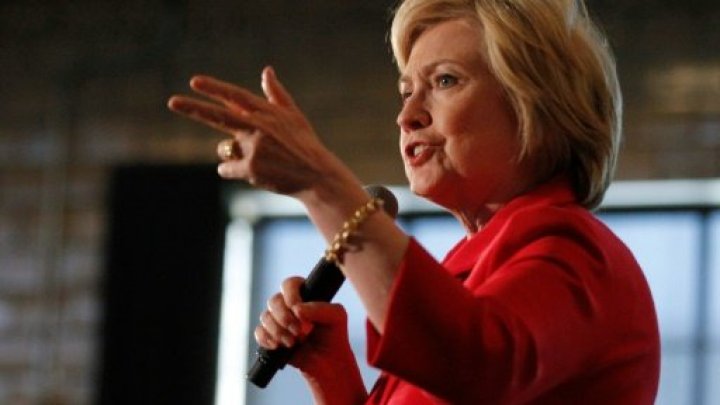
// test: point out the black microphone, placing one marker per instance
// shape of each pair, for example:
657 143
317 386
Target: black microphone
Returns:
321 284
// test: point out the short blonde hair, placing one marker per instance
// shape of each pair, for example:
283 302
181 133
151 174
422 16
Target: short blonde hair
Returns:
558 73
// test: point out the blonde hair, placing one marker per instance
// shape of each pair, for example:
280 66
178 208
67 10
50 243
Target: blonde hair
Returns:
558 73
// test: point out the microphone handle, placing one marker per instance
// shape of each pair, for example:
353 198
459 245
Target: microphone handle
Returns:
322 283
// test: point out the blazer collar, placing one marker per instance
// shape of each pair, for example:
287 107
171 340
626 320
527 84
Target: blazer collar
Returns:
463 256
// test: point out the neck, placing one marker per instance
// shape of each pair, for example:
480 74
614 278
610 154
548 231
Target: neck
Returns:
473 220
473 217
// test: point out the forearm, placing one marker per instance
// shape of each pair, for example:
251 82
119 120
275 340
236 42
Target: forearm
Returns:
330 388
372 262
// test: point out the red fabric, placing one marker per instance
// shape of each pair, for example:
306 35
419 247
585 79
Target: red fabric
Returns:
543 306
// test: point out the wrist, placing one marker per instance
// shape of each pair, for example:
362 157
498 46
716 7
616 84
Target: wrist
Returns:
330 201
331 388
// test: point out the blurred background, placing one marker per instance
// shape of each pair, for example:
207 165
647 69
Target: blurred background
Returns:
83 86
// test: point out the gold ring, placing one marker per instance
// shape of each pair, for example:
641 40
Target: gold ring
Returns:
228 149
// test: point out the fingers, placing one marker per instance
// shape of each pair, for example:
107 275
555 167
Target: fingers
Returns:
290 289
278 324
274 90
276 334
265 339
321 313
213 115
233 115
291 293
235 169
283 314
275 146
229 149
278 327
232 96
239 103
235 158
288 320
271 335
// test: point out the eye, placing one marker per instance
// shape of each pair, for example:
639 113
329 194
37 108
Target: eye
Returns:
404 95
445 80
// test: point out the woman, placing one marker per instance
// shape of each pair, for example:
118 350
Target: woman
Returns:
511 121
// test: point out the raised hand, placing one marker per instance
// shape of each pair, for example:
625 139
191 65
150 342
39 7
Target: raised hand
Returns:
272 144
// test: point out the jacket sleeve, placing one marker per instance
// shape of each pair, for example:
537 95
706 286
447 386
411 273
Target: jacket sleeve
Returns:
532 323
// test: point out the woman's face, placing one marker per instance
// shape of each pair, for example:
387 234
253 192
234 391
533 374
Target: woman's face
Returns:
458 133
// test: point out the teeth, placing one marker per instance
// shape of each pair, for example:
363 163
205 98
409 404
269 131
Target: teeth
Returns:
418 149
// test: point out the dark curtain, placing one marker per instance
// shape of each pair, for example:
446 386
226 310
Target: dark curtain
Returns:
162 286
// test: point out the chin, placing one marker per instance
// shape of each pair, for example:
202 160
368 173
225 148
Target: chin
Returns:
431 185
429 191
443 194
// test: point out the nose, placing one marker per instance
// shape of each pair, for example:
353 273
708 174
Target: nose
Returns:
414 114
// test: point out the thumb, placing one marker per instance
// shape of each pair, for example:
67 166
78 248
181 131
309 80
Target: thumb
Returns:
274 90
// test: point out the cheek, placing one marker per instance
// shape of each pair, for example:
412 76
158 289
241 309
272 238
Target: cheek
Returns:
478 140
489 115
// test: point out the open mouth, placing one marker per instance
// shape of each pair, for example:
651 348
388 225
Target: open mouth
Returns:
419 152
416 149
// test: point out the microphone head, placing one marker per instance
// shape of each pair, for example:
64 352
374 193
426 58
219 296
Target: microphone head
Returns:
391 204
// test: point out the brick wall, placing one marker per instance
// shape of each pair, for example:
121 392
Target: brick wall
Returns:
83 89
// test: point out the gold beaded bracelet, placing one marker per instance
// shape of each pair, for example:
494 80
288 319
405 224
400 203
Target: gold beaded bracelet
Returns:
341 242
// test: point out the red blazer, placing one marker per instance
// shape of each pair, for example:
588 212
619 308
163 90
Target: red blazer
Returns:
545 305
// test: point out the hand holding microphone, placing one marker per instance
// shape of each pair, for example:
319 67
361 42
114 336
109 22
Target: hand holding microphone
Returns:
321 285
